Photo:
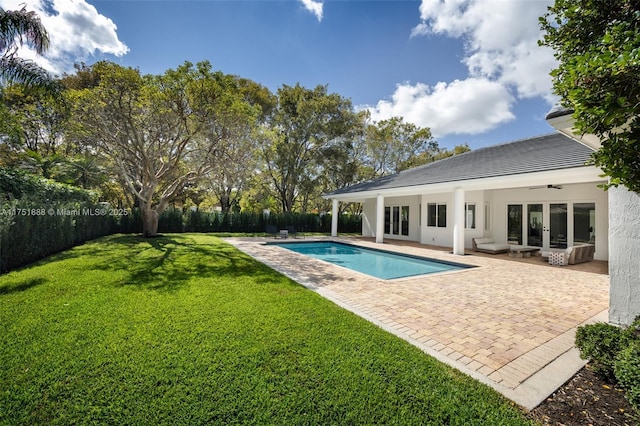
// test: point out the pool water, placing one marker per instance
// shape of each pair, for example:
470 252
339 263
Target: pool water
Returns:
378 263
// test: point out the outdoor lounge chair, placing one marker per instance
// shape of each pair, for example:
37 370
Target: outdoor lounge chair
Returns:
293 232
487 245
571 255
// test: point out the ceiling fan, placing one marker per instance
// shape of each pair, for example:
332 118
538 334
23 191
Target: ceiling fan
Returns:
547 187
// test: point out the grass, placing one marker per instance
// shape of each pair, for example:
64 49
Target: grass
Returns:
185 329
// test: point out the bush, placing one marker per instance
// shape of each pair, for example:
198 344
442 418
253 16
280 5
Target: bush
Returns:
627 371
17 184
601 343
615 355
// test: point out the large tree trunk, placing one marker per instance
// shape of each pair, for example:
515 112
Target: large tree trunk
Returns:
149 221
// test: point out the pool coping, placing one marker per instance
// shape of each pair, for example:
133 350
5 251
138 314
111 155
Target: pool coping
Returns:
527 380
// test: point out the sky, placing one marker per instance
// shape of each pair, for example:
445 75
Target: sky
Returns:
470 70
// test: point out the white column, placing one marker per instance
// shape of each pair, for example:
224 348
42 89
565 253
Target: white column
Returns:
334 217
458 221
380 219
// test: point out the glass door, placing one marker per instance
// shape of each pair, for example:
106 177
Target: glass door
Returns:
535 221
543 225
558 225
514 223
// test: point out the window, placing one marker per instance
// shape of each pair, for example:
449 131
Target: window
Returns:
514 223
470 215
437 215
396 220
405 220
584 222
387 220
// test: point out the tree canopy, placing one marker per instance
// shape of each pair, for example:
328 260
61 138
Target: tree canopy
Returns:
161 133
597 44
193 136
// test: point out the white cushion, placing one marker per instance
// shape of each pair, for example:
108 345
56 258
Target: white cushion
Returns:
484 240
493 246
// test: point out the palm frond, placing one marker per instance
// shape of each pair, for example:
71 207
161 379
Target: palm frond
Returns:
23 26
17 70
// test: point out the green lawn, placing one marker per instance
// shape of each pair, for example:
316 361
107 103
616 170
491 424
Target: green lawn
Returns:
185 329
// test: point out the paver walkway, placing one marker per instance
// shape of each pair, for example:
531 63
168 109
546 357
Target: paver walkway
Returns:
508 324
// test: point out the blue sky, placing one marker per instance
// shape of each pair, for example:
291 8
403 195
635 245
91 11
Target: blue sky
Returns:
470 70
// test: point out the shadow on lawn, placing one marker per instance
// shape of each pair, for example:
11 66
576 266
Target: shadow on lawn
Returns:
21 286
167 264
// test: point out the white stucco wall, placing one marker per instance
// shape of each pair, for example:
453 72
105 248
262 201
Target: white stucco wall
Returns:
369 216
624 259
444 236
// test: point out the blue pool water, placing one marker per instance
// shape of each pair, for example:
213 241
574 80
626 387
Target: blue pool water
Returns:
378 263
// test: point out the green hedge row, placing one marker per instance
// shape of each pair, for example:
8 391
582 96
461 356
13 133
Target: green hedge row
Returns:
40 217
28 233
175 220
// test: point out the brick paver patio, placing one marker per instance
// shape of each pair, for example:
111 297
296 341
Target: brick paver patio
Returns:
510 324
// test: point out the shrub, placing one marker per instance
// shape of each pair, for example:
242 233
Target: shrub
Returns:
601 343
627 371
615 355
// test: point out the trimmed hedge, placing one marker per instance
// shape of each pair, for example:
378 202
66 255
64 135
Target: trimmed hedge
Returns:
615 355
174 220
40 217
31 233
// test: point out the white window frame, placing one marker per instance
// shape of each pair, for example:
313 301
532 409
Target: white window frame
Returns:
438 215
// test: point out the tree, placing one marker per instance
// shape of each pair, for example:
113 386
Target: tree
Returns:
17 28
597 44
160 132
432 155
39 118
238 156
304 121
392 143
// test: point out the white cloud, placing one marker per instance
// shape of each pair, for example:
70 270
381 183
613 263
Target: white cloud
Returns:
469 106
501 39
76 31
502 56
314 7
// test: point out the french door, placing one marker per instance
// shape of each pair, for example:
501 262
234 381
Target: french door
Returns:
542 225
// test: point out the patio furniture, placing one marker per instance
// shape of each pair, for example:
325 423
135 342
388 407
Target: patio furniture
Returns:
294 233
523 251
488 245
571 255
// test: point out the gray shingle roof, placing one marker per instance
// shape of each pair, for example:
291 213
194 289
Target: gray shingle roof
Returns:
542 153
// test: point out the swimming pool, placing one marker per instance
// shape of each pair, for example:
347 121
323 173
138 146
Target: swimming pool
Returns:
378 263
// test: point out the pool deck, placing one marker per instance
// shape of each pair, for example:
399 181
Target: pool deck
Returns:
509 323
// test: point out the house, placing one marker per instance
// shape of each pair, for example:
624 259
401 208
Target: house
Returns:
624 232
536 191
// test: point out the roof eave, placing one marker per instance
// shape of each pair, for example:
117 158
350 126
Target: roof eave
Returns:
562 120
573 175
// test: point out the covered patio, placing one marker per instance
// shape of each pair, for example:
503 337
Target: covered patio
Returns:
532 192
509 323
